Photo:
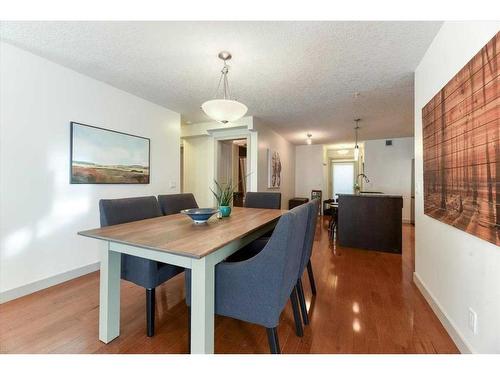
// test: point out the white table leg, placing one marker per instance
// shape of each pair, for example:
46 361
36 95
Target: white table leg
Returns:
202 306
109 296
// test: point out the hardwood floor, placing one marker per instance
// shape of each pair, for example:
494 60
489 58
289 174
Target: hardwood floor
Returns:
366 303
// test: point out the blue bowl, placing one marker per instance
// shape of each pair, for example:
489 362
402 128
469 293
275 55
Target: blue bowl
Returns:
200 215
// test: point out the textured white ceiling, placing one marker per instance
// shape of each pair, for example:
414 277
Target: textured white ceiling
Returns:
298 77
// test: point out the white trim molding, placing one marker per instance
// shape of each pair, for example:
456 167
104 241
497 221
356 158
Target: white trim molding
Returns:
35 286
447 323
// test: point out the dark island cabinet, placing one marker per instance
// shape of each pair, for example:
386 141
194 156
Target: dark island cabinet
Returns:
371 221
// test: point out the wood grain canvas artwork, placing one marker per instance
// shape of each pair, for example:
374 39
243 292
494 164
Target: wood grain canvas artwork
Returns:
461 148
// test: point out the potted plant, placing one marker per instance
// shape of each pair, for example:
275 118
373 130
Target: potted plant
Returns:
224 195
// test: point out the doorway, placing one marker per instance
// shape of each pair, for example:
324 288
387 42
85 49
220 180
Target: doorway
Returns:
232 166
343 175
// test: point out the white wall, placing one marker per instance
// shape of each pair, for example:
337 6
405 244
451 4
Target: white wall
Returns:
40 211
199 168
269 139
457 270
389 169
309 170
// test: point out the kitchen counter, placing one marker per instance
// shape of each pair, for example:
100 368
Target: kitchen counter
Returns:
370 221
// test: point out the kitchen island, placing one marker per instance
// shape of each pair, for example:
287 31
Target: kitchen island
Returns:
370 221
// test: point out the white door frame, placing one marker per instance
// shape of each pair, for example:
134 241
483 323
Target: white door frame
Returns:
252 148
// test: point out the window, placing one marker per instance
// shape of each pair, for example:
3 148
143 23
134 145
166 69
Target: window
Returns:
342 178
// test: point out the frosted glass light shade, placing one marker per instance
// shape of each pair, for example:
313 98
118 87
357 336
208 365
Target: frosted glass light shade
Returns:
224 110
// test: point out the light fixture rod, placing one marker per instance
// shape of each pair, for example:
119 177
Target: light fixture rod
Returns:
226 94
356 130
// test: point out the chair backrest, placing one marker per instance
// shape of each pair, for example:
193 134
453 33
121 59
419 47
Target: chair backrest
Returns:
124 210
174 203
294 252
268 278
312 219
263 200
279 260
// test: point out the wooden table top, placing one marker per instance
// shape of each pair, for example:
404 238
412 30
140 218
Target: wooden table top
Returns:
178 234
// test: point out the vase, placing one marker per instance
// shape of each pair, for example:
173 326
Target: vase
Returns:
225 211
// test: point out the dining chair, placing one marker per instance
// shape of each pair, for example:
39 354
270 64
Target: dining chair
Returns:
334 222
143 272
263 200
175 203
330 209
256 290
271 200
305 261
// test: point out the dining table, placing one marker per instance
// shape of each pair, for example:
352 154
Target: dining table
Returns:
177 240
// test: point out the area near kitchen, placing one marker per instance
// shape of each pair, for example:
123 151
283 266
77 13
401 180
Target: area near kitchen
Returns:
367 188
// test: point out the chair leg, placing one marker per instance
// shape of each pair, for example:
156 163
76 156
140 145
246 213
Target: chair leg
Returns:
331 228
150 311
296 313
189 329
311 277
302 302
272 337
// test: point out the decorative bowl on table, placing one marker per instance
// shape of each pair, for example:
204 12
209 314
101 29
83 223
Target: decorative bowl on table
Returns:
200 215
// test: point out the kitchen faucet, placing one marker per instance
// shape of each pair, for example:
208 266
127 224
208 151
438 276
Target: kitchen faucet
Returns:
364 177
357 188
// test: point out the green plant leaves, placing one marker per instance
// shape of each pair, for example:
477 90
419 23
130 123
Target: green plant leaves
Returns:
223 193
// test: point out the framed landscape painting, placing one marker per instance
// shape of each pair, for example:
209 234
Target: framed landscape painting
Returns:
102 156
461 135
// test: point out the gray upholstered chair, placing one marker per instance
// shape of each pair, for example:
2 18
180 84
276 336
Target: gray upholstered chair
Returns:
175 203
270 200
263 200
305 262
256 246
143 272
256 290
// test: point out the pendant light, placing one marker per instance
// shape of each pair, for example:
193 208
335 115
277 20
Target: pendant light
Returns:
224 109
356 147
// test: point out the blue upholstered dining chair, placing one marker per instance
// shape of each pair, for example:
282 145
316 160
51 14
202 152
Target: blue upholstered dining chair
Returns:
256 246
256 290
143 272
263 200
305 261
271 200
174 203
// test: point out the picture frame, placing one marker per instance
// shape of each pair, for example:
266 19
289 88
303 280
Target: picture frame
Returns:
274 168
460 149
104 156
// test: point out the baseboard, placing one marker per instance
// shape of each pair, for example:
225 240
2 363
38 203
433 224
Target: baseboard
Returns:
35 286
455 335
